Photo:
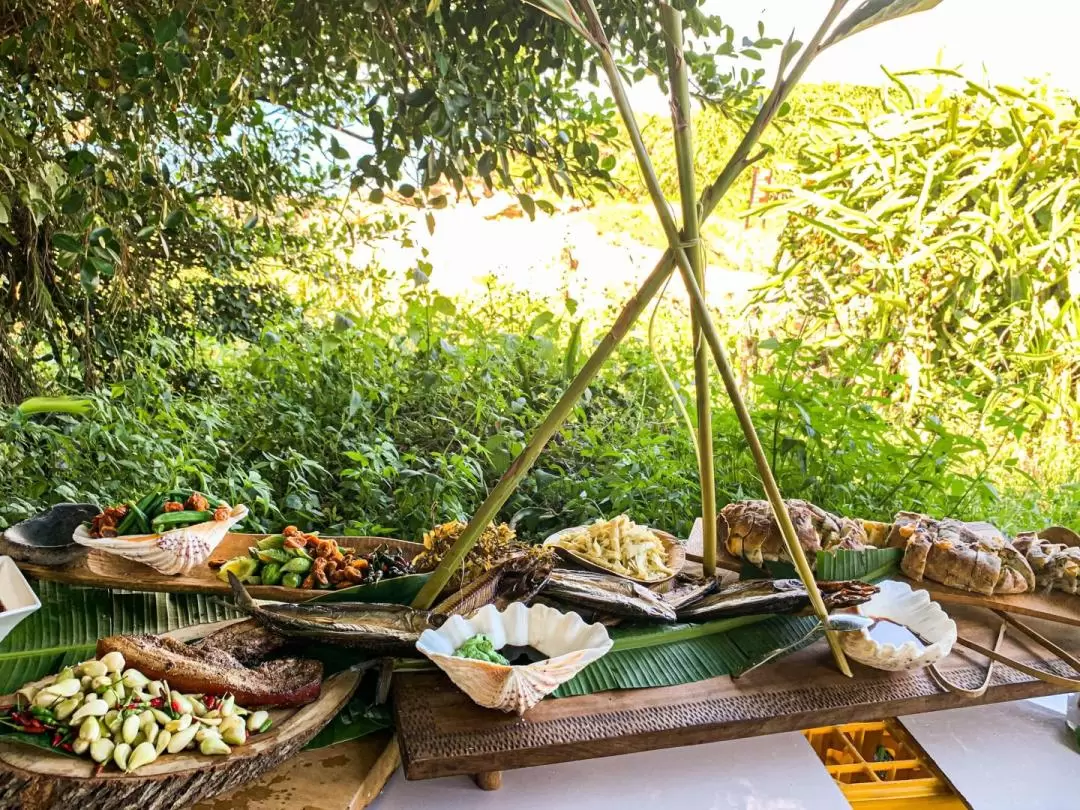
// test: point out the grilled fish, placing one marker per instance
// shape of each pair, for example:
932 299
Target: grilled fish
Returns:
282 682
608 594
757 596
372 627
688 591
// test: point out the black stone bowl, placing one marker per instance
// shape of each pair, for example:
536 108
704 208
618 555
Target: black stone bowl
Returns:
46 538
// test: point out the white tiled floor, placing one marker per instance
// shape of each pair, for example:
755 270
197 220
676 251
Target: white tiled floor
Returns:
778 772
1017 756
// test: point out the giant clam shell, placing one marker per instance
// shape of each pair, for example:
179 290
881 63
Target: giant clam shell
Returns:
915 610
570 643
46 538
176 551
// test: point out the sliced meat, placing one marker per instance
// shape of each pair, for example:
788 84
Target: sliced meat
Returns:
280 683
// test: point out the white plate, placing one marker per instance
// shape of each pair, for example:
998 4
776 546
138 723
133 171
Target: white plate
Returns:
18 598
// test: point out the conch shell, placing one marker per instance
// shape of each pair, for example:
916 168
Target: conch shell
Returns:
570 643
176 551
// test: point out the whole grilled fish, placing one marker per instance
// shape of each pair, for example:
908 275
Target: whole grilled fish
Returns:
608 594
376 628
757 596
187 668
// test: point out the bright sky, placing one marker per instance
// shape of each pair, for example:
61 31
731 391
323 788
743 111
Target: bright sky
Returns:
1012 39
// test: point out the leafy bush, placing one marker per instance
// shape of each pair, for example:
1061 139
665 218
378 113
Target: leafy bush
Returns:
389 419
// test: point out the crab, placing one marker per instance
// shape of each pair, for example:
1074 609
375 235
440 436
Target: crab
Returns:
953 554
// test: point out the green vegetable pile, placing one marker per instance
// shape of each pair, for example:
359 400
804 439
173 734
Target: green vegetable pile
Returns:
157 512
480 648
270 563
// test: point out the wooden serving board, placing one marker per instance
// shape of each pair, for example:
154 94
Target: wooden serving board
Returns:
99 569
346 776
1055 606
33 779
443 733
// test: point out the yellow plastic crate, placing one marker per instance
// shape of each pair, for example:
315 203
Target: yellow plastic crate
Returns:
903 779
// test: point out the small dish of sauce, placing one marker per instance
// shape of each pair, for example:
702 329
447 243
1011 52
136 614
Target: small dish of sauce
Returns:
887 631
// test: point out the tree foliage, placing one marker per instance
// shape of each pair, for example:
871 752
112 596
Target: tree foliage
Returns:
142 138
946 232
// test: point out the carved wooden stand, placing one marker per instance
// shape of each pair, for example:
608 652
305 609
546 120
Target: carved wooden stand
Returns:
442 733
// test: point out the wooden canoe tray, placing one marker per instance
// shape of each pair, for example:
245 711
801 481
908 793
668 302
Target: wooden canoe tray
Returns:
100 569
1054 606
443 733
33 779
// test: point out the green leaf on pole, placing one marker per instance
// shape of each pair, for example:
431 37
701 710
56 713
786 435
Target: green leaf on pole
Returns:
875 12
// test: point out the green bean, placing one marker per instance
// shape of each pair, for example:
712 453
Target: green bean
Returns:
130 520
185 518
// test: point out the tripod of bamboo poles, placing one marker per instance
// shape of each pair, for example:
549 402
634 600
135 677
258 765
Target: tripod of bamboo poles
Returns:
674 256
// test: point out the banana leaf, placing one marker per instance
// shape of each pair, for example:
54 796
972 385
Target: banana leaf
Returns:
43 741
869 564
359 718
670 655
396 591
71 620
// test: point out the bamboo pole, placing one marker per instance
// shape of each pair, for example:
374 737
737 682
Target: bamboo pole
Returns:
737 163
671 21
712 336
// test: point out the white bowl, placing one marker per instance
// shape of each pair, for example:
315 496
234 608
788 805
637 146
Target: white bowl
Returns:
17 596
916 611
570 644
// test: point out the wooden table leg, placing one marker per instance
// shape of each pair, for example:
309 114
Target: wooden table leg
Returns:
488 780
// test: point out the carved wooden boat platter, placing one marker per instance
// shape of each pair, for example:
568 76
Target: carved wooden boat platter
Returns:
35 779
99 569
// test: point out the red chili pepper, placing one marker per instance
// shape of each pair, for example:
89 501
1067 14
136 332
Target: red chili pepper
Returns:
57 739
157 703
34 727
68 747
175 706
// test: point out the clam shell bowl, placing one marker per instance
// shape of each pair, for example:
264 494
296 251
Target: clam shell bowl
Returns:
565 638
913 609
174 552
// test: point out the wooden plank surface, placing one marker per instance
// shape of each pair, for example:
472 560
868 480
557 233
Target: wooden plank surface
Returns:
100 569
336 778
1054 606
443 733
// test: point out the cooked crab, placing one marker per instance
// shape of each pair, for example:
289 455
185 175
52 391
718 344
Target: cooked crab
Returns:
1056 565
749 530
952 553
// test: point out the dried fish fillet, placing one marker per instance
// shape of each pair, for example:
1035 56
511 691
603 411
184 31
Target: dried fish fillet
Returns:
608 594
763 596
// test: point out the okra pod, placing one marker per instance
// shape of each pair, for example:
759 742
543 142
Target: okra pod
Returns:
174 519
